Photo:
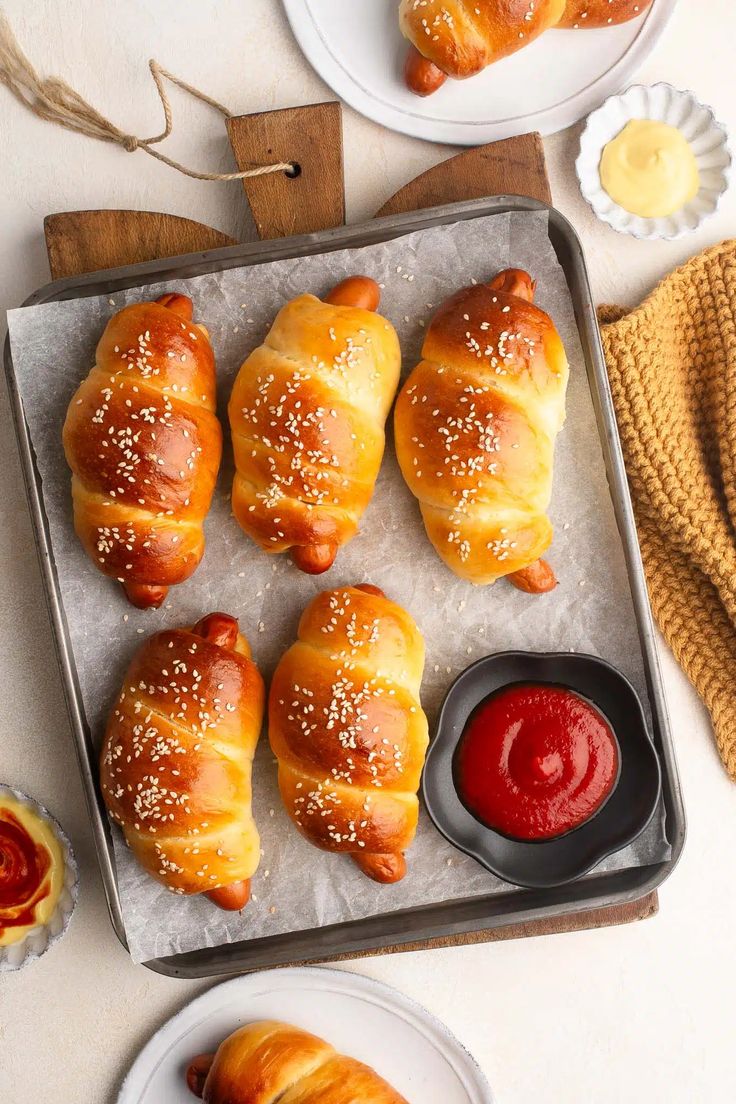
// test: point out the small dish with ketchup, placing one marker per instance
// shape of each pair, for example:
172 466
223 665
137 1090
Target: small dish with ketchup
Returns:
541 766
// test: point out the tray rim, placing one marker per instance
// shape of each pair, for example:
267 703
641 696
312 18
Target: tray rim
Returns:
284 949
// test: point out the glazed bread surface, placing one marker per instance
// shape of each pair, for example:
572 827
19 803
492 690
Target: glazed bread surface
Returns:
591 14
307 412
462 37
348 730
274 1063
144 444
475 426
177 756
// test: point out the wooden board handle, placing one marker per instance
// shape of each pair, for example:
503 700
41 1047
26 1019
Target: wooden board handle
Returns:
88 241
311 137
515 166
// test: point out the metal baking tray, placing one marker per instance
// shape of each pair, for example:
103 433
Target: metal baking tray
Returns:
430 921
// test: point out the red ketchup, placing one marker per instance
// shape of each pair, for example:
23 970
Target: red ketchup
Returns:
23 869
536 761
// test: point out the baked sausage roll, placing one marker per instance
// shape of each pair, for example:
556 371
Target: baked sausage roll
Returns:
177 757
144 444
459 38
307 412
475 426
347 728
274 1063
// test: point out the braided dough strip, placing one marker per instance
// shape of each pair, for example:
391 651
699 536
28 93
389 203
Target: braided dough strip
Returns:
144 445
475 425
347 728
307 413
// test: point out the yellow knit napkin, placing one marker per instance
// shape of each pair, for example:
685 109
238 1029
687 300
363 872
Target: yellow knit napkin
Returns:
672 368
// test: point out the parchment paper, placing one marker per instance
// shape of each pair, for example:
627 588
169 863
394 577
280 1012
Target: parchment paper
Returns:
297 886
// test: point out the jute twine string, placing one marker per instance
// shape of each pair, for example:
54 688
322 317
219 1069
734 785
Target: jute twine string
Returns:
672 369
53 99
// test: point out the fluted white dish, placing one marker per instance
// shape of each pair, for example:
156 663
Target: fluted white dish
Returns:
708 140
38 940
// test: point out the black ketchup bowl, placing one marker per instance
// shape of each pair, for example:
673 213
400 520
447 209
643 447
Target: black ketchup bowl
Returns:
627 810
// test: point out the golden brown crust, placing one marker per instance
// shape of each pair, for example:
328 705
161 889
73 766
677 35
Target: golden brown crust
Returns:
346 725
590 14
176 761
475 425
462 37
307 414
144 445
270 1062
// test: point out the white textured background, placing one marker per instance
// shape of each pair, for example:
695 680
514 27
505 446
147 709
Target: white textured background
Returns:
629 1014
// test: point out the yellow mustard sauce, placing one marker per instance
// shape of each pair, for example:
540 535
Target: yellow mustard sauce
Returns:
649 169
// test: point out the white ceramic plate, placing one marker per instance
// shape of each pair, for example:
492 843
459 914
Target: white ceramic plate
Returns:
412 1050
357 48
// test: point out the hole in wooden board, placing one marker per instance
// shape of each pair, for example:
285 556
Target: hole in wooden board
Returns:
294 171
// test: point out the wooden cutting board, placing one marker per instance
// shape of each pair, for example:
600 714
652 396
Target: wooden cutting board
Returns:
313 199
